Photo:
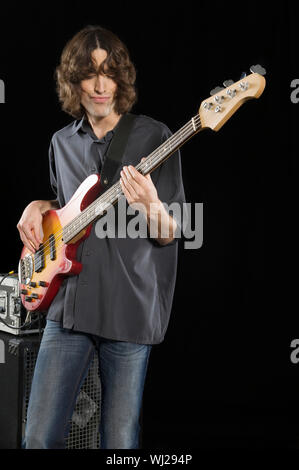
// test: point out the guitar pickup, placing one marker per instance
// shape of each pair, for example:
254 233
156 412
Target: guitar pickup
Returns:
52 247
39 260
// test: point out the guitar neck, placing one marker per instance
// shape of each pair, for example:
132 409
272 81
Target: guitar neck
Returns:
98 208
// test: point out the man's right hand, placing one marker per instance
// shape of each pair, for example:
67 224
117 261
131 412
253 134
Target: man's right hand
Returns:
30 223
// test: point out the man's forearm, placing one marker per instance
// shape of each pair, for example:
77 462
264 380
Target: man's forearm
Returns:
48 205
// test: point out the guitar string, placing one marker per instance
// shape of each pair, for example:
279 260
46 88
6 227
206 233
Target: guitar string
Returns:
153 158
114 188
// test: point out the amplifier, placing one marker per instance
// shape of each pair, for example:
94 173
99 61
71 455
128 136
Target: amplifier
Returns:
17 361
13 314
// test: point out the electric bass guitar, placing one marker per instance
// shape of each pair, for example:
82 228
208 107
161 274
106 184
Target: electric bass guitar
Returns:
41 273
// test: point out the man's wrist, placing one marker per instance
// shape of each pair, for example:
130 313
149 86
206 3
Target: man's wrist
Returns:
45 205
155 209
161 222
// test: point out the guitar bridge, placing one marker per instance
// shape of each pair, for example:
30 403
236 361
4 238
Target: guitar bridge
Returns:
25 269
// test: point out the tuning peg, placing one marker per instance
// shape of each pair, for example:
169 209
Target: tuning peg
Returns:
243 75
216 90
258 69
228 83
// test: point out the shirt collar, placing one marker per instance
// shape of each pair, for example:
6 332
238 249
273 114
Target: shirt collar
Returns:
79 124
84 126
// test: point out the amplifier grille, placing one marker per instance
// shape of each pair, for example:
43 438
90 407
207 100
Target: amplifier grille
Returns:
84 424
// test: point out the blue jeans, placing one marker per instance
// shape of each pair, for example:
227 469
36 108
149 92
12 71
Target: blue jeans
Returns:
62 365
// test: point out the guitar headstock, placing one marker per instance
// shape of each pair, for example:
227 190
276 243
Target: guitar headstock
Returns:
224 102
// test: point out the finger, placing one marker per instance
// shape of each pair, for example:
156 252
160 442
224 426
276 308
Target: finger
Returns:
128 173
132 201
25 241
139 177
31 237
126 193
138 181
135 175
33 248
127 187
39 233
23 237
129 182
34 237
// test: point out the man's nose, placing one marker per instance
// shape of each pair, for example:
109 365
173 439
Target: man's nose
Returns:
100 84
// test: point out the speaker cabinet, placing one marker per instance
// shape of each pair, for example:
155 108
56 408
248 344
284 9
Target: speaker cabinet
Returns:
17 361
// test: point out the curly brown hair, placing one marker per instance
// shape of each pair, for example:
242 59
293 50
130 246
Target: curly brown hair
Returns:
76 64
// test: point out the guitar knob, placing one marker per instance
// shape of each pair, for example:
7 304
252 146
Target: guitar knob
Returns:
228 83
28 298
35 296
216 90
24 291
243 86
32 284
43 283
258 69
231 93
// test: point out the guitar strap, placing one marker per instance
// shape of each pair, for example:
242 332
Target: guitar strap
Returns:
116 150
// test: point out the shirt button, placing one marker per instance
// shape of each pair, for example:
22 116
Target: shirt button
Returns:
105 181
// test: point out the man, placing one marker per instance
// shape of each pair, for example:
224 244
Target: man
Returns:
120 303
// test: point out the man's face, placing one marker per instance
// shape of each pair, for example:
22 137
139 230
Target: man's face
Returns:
98 91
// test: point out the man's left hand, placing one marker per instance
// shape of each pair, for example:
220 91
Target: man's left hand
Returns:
138 189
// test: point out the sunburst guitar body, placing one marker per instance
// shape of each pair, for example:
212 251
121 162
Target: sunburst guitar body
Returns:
41 273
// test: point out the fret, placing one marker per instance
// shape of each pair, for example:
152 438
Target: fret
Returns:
97 208
169 146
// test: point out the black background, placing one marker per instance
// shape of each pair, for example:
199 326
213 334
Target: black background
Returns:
223 376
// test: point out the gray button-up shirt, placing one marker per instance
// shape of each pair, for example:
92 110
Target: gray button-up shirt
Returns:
125 289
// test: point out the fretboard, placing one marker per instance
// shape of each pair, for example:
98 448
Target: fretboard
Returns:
99 207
